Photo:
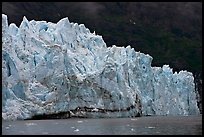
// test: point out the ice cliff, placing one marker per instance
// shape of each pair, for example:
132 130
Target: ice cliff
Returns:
65 69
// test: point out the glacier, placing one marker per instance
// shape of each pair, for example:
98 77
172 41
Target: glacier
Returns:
64 69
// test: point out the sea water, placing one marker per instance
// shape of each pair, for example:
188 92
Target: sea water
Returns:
151 125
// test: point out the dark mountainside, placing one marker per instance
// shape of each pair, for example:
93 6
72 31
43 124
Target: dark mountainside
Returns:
171 32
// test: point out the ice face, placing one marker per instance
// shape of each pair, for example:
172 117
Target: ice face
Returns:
50 68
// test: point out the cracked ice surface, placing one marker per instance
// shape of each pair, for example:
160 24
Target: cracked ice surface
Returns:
49 68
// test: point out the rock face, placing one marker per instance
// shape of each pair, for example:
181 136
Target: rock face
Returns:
51 69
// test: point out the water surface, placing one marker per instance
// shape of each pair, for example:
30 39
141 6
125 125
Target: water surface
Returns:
152 125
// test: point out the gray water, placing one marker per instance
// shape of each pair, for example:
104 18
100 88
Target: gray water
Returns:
152 125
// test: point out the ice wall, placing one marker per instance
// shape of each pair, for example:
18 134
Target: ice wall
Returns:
58 68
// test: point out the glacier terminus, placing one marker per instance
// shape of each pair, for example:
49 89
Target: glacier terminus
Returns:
64 69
